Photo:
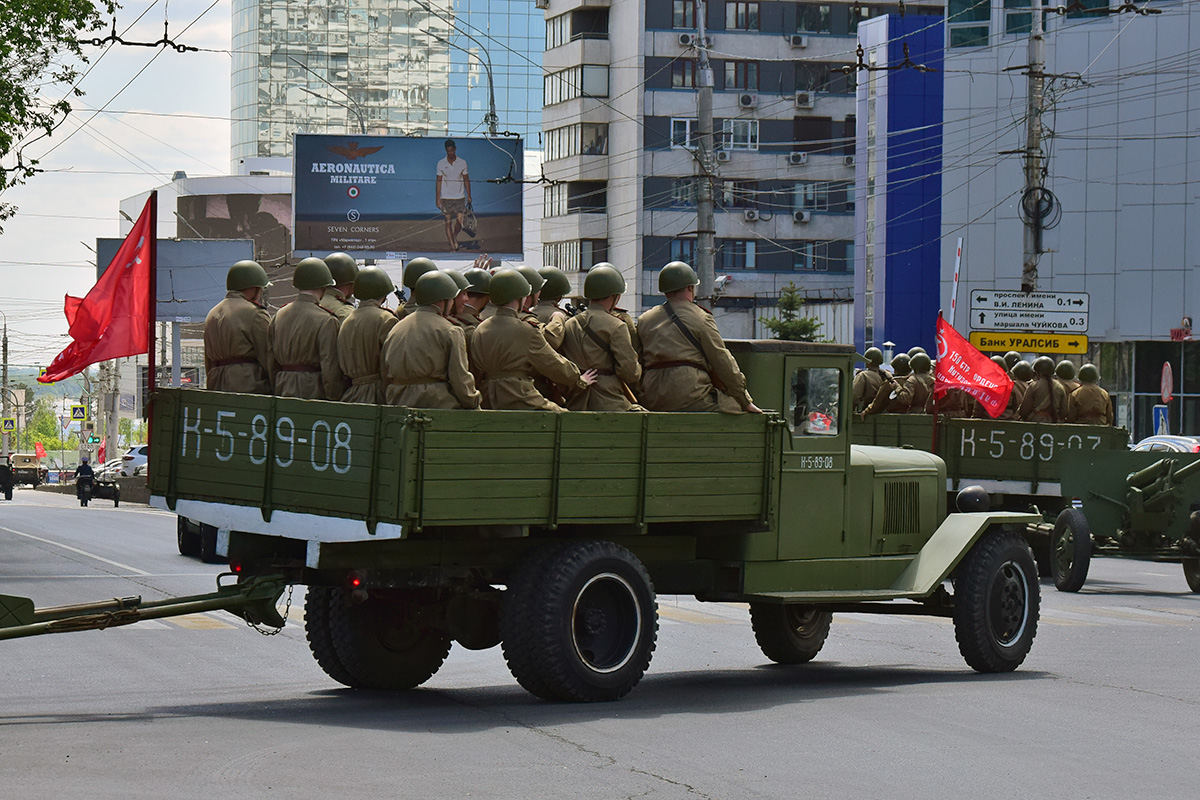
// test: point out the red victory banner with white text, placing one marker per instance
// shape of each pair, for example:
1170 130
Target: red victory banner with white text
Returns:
113 320
961 366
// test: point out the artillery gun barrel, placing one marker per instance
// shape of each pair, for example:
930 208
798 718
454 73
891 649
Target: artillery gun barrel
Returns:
1186 471
1148 475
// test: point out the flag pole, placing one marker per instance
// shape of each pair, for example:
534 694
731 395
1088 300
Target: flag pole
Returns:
152 315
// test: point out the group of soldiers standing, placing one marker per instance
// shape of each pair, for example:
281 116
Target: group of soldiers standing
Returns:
1042 391
492 339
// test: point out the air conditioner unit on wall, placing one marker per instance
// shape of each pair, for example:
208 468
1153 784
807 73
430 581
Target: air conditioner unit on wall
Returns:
848 161
691 39
806 99
801 216
722 155
747 100
751 215
797 159
541 3
795 40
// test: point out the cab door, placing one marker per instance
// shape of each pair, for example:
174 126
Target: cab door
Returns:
815 459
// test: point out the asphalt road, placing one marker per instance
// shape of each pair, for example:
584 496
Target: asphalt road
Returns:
1106 706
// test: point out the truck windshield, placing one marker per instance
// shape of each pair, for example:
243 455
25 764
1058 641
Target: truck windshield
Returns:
816 397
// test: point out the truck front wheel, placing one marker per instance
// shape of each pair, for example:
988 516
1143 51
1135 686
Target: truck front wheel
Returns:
996 600
1070 550
579 622
789 634
383 641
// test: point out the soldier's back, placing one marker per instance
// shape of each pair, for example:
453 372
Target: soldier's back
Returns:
599 340
304 351
507 352
360 342
237 346
424 363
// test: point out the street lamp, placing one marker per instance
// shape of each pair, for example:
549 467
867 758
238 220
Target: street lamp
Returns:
356 109
491 118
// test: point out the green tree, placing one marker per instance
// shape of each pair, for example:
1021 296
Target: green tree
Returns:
790 325
39 54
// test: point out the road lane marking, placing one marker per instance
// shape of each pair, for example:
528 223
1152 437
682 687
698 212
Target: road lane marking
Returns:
202 622
76 550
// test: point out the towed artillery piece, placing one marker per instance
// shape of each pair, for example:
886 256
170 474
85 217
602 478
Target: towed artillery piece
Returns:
550 535
1131 505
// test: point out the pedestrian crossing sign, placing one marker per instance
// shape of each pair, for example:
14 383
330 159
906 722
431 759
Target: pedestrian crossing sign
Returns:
79 412
8 425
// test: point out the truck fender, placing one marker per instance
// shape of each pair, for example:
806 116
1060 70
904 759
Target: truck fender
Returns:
953 539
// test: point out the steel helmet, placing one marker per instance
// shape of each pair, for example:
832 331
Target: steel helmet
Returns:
1022 371
246 275
901 365
1011 358
478 280
415 269
675 276
459 279
1043 365
343 267
1065 370
921 362
434 286
603 280
1088 373
914 350
372 283
312 273
1000 362
873 356
536 281
557 283
508 285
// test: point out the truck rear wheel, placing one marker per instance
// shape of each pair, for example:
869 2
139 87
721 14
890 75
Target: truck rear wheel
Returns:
789 634
1070 550
382 641
996 600
1191 571
187 537
579 622
208 545
319 632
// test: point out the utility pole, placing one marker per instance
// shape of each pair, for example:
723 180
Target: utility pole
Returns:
705 225
5 390
1034 157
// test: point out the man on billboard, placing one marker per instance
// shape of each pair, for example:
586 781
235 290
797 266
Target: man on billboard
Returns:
453 192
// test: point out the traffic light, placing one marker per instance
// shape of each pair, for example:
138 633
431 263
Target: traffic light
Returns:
93 439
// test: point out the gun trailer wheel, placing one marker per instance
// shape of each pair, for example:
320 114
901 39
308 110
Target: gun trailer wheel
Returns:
1070 550
789 634
996 601
579 622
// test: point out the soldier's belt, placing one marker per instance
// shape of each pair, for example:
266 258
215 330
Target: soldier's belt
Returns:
415 381
298 368
669 364
229 362
605 372
363 380
492 376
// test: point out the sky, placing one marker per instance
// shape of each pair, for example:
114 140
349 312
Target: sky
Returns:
173 116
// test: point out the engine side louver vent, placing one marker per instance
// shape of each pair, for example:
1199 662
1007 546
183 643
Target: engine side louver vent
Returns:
901 508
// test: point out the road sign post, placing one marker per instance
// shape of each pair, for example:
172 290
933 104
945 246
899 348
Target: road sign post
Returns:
1162 421
1050 312
1003 341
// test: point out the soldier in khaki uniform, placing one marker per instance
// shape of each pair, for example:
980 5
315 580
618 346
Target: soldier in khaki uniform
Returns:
623 314
598 339
1064 372
237 353
338 298
509 351
475 299
686 366
362 335
425 355
885 401
557 285
413 271
916 395
304 361
868 381
1089 404
536 282
1022 374
1045 400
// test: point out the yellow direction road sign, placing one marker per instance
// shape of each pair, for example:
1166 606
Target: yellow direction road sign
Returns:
79 412
8 425
1003 341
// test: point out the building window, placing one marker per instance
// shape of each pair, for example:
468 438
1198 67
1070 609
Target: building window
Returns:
741 16
683 13
741 75
860 13
1086 12
554 203
739 194
1017 16
740 134
683 250
683 73
575 256
804 257
968 22
586 139
684 133
587 80
558 31
683 192
822 196
736 254
812 18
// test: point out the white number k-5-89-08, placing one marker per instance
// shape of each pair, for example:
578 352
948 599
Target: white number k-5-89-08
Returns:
328 445
1027 446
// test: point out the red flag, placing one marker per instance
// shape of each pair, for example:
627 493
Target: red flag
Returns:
100 455
961 366
39 450
113 321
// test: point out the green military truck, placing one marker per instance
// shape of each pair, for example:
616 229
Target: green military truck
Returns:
1022 465
551 534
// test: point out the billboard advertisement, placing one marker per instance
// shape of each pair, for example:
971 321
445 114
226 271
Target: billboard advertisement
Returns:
394 197
264 218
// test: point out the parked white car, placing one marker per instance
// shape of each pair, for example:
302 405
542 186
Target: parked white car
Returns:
136 457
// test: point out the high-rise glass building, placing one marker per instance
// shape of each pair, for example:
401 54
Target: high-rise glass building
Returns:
401 67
